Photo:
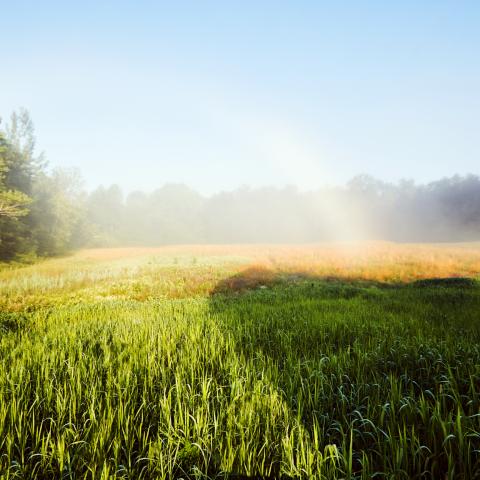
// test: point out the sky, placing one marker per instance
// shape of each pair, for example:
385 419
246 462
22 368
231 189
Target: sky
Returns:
217 95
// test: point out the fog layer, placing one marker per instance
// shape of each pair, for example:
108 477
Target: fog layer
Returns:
442 211
47 212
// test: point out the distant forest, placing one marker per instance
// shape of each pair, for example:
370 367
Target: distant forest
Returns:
46 212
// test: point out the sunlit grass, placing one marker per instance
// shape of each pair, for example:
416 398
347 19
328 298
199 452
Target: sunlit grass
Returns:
185 271
312 362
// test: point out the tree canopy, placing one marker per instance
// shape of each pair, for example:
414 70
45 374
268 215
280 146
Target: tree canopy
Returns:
39 210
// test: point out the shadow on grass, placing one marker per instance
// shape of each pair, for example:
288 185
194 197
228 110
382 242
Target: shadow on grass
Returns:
12 322
337 350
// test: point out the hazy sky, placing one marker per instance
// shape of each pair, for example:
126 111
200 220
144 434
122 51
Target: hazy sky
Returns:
220 94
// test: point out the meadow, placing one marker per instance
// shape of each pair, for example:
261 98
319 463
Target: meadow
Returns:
316 361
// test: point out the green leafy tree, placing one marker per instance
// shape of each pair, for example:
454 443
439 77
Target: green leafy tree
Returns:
56 211
13 202
40 211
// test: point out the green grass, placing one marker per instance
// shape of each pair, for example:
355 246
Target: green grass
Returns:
311 379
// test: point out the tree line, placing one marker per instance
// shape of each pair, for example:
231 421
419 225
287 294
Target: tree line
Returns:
45 212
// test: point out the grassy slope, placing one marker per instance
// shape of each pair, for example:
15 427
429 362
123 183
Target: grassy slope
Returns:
307 377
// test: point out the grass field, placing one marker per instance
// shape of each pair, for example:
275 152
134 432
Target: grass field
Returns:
242 361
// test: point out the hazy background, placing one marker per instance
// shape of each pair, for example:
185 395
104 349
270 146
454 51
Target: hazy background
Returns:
229 122
216 95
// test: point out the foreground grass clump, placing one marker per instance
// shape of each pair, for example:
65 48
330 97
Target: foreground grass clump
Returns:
273 375
137 391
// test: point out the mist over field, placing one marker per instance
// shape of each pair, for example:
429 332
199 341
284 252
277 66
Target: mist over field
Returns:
45 212
49 212
237 124
365 209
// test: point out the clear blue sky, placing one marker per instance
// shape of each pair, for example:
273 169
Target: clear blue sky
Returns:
220 94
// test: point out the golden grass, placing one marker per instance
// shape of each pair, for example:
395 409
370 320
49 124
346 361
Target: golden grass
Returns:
380 261
189 270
